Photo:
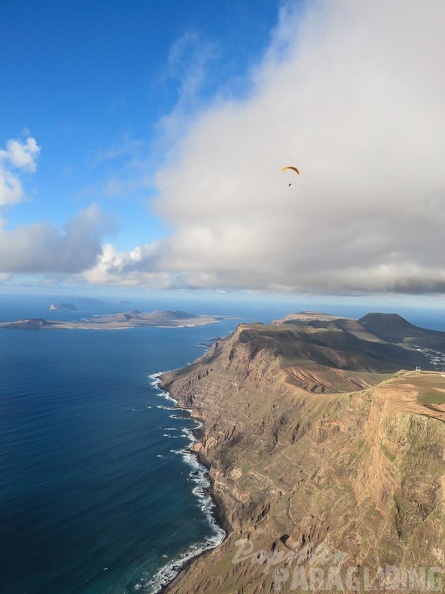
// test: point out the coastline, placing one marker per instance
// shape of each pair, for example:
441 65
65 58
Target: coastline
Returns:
219 518
95 325
118 321
172 572
289 465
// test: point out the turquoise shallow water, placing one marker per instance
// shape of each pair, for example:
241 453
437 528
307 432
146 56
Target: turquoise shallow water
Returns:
96 493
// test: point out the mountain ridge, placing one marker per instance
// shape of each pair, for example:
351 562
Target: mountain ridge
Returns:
356 469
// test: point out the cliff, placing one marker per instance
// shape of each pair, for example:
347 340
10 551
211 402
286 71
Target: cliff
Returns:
317 484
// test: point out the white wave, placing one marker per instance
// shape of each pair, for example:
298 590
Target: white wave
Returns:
199 476
188 434
187 410
155 376
170 570
167 396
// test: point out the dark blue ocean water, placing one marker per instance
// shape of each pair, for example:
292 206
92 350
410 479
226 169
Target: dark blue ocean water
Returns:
95 495
96 492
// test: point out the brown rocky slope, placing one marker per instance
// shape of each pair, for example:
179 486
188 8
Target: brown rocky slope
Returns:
318 487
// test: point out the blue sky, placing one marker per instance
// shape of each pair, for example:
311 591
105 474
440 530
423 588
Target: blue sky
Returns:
91 80
141 146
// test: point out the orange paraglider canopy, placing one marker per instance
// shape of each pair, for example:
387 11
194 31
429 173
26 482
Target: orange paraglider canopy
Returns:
290 167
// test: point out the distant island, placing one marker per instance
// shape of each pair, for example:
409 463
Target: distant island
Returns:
62 307
129 319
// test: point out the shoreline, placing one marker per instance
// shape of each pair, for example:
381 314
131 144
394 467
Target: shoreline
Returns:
31 325
220 520
214 511
118 321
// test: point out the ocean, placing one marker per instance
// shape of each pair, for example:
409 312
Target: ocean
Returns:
98 494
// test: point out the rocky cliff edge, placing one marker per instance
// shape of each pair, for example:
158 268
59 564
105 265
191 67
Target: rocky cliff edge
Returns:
340 489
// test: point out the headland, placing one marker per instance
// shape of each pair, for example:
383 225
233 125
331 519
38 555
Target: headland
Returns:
325 443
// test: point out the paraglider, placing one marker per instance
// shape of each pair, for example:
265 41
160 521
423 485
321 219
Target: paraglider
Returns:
290 167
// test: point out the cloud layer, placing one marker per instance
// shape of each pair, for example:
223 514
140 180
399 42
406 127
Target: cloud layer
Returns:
42 248
353 94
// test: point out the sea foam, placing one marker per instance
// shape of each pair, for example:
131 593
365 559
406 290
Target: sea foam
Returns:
198 475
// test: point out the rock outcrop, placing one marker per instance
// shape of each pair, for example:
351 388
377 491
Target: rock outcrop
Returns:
28 324
314 484
62 307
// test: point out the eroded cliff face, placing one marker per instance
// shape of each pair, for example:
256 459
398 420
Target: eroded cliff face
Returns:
305 480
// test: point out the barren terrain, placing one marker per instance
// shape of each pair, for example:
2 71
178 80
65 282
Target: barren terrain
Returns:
349 477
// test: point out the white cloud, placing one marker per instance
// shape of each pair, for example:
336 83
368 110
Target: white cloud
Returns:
191 62
188 62
42 248
353 94
17 157
133 269
22 155
128 145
